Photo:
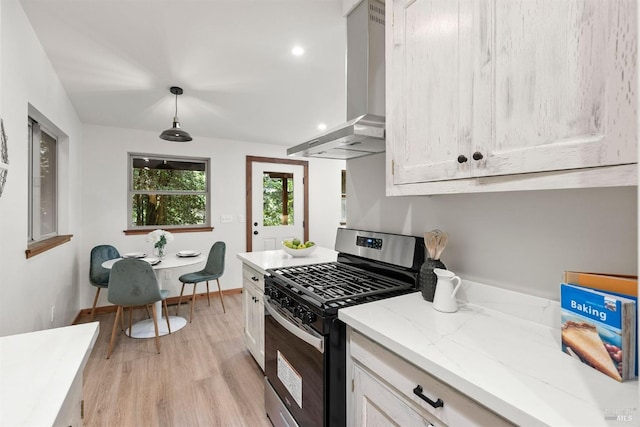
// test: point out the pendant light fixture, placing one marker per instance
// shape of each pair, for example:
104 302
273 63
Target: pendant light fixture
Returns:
176 134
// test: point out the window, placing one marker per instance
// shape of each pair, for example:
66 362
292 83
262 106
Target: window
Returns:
277 197
171 192
43 183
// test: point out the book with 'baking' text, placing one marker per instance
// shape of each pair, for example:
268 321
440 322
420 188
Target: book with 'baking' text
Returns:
599 329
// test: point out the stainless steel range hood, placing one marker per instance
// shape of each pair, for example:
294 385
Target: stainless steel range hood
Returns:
364 132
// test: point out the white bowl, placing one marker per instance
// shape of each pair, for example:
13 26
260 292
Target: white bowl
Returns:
299 252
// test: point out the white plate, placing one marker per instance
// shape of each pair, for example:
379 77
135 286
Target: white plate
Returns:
152 261
134 255
184 254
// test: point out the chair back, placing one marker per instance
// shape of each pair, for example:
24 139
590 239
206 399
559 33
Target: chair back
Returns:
215 262
98 275
133 282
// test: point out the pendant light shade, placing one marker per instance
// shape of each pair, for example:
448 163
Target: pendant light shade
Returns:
176 134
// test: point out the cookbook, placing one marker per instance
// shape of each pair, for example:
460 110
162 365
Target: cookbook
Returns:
599 329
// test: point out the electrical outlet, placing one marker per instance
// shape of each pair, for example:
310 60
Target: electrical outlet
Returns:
226 218
240 218
168 274
53 313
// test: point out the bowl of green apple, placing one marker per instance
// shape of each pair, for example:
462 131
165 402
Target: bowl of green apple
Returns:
297 248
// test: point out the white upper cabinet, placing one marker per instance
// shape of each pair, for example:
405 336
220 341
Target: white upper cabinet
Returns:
506 95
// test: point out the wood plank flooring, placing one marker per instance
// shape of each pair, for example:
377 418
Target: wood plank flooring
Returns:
203 376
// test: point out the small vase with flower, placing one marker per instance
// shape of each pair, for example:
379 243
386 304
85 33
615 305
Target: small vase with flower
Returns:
159 238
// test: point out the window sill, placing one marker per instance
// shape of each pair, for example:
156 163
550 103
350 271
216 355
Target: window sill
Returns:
37 248
170 230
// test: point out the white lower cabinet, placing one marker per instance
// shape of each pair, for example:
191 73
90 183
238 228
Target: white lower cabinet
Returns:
253 305
387 390
71 412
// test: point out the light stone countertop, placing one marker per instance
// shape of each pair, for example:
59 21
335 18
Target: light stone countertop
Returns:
263 260
37 370
511 364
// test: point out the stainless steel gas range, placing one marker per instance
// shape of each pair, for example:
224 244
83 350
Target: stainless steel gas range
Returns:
305 359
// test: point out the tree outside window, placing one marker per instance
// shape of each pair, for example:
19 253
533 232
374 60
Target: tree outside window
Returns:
277 199
168 192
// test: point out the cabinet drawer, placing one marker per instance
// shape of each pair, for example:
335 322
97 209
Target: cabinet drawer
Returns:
457 409
376 403
253 276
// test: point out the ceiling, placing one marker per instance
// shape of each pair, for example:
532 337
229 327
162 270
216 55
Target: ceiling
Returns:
117 60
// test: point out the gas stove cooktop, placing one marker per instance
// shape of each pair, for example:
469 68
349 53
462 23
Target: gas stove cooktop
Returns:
331 282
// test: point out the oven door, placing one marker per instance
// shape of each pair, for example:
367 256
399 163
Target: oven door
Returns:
294 366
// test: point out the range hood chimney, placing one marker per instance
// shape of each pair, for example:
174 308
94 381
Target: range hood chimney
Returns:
364 132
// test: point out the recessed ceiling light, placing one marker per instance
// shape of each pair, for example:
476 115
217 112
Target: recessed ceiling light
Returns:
297 51
322 126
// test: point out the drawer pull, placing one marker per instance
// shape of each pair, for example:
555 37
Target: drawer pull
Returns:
254 278
418 392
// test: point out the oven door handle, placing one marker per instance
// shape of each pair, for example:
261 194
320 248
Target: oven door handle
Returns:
316 341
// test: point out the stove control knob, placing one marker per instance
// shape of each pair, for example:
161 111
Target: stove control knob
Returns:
308 317
301 312
275 294
286 302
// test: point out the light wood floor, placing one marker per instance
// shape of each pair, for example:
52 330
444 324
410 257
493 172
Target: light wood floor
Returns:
203 376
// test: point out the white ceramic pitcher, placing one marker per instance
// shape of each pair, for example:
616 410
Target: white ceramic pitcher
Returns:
445 297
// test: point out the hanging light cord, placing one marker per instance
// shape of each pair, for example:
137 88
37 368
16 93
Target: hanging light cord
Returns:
176 114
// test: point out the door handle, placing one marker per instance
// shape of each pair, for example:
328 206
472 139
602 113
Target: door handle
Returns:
418 392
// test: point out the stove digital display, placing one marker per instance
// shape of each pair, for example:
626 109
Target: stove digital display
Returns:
369 242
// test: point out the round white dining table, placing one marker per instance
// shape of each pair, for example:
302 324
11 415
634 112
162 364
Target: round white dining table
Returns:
145 328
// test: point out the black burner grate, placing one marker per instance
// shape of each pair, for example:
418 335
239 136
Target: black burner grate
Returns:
331 282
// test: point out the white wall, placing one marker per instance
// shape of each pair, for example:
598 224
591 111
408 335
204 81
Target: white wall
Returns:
30 287
515 240
104 197
92 190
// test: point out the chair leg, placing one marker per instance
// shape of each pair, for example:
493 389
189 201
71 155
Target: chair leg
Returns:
208 298
130 319
221 299
193 302
113 331
95 301
148 315
155 326
180 299
166 314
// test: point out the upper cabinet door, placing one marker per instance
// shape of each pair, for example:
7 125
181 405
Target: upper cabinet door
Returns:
429 110
563 82
502 95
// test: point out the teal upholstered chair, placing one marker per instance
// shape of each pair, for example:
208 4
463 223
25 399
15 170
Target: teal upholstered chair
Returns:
98 275
133 283
212 271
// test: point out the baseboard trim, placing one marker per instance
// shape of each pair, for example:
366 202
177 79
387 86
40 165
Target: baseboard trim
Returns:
170 301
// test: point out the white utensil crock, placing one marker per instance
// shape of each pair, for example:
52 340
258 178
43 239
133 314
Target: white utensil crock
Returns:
445 297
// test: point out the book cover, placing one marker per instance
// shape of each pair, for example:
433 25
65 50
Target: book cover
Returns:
619 284
599 329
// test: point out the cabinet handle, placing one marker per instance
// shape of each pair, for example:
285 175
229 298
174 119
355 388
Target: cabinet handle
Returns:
254 278
462 158
418 392
477 155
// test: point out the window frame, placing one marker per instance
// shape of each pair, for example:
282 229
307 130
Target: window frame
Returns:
131 227
36 127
